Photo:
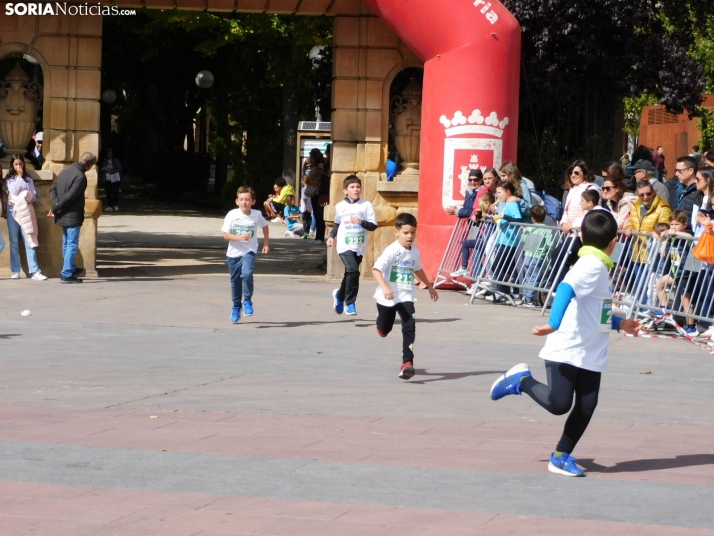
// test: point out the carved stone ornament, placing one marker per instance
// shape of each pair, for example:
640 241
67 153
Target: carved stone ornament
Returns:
405 112
19 102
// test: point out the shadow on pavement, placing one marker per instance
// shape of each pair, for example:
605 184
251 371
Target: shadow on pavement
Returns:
10 335
653 464
447 376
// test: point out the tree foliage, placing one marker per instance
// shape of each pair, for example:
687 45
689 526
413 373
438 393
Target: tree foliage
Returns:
152 59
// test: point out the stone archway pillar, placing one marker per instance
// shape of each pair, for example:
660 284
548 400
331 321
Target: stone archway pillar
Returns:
471 53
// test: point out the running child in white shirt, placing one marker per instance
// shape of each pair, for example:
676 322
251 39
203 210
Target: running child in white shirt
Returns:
575 351
353 218
395 271
240 228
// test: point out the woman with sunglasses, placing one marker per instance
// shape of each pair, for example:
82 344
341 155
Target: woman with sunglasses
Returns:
474 185
615 196
578 178
705 188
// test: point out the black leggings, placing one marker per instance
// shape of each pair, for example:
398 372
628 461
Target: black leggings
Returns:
557 398
385 322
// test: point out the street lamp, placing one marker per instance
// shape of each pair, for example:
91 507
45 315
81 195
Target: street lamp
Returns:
204 81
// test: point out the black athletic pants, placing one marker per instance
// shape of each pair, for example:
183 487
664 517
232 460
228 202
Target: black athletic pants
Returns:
385 322
557 397
350 282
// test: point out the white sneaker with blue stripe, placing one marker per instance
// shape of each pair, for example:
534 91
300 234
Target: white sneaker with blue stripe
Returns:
510 382
564 465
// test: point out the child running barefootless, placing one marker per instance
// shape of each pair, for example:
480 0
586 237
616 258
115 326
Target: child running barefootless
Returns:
575 351
353 218
240 228
395 271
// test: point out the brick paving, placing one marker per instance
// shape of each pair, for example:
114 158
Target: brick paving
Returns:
131 406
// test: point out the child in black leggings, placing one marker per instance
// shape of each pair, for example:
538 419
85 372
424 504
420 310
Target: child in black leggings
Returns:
575 351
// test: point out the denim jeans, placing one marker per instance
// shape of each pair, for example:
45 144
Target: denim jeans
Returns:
14 230
241 270
70 244
532 268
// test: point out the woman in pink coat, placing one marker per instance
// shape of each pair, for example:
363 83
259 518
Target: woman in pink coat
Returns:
21 195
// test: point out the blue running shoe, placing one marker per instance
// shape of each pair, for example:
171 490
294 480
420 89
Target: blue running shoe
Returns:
564 465
337 304
510 382
351 309
235 315
691 330
248 308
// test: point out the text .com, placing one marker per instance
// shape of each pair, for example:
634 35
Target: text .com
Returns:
63 8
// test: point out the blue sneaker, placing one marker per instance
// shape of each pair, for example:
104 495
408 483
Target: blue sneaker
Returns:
564 465
337 304
248 308
691 330
351 309
235 315
510 382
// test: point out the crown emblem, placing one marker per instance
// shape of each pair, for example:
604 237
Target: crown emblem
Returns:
475 123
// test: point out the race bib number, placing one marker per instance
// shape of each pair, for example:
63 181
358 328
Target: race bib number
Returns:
355 238
402 276
605 316
241 229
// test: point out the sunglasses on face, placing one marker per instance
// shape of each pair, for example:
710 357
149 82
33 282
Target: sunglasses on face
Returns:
645 194
607 188
474 180
576 173
682 170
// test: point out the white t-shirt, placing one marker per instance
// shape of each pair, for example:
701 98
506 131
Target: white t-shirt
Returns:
305 201
351 236
236 222
584 333
398 265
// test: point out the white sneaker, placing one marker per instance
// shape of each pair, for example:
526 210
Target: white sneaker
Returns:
290 234
116 208
276 220
108 209
461 272
38 276
15 275
708 334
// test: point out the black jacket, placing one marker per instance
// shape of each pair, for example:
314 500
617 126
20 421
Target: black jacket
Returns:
688 199
67 195
469 201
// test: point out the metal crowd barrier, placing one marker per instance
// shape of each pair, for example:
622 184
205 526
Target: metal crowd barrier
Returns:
674 286
452 256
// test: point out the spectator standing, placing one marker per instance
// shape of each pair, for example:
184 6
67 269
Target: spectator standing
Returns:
534 259
112 173
34 153
21 219
318 182
308 220
625 160
578 178
67 195
696 153
658 159
708 159
683 188
705 195
509 172
645 170
509 210
615 198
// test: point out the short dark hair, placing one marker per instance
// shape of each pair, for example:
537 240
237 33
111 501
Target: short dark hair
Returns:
508 186
591 195
689 161
351 179
405 219
709 155
644 184
280 181
696 148
537 214
598 229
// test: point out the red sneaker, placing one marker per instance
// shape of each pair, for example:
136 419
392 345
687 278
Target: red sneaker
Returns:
407 370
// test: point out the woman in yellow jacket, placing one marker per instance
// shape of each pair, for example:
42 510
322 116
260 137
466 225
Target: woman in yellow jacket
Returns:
646 212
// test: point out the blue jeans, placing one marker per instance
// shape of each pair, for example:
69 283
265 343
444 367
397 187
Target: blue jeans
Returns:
241 270
14 230
533 268
70 244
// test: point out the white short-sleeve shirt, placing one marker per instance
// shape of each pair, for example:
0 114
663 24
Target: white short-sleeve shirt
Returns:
237 222
584 332
351 236
398 265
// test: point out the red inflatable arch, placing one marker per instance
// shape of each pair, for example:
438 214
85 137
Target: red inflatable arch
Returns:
471 51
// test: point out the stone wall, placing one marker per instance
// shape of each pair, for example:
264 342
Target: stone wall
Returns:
69 50
368 55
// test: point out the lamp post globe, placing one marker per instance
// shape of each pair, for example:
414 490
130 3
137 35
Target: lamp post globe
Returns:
109 96
204 79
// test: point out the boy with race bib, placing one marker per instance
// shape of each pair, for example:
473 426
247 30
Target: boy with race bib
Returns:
353 218
394 271
240 228
575 351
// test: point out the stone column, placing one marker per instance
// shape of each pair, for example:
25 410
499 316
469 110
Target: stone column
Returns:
69 50
367 57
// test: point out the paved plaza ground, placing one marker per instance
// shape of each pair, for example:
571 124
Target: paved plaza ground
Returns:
130 405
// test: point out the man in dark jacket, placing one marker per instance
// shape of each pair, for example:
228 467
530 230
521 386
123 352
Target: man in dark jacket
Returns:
683 188
67 195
